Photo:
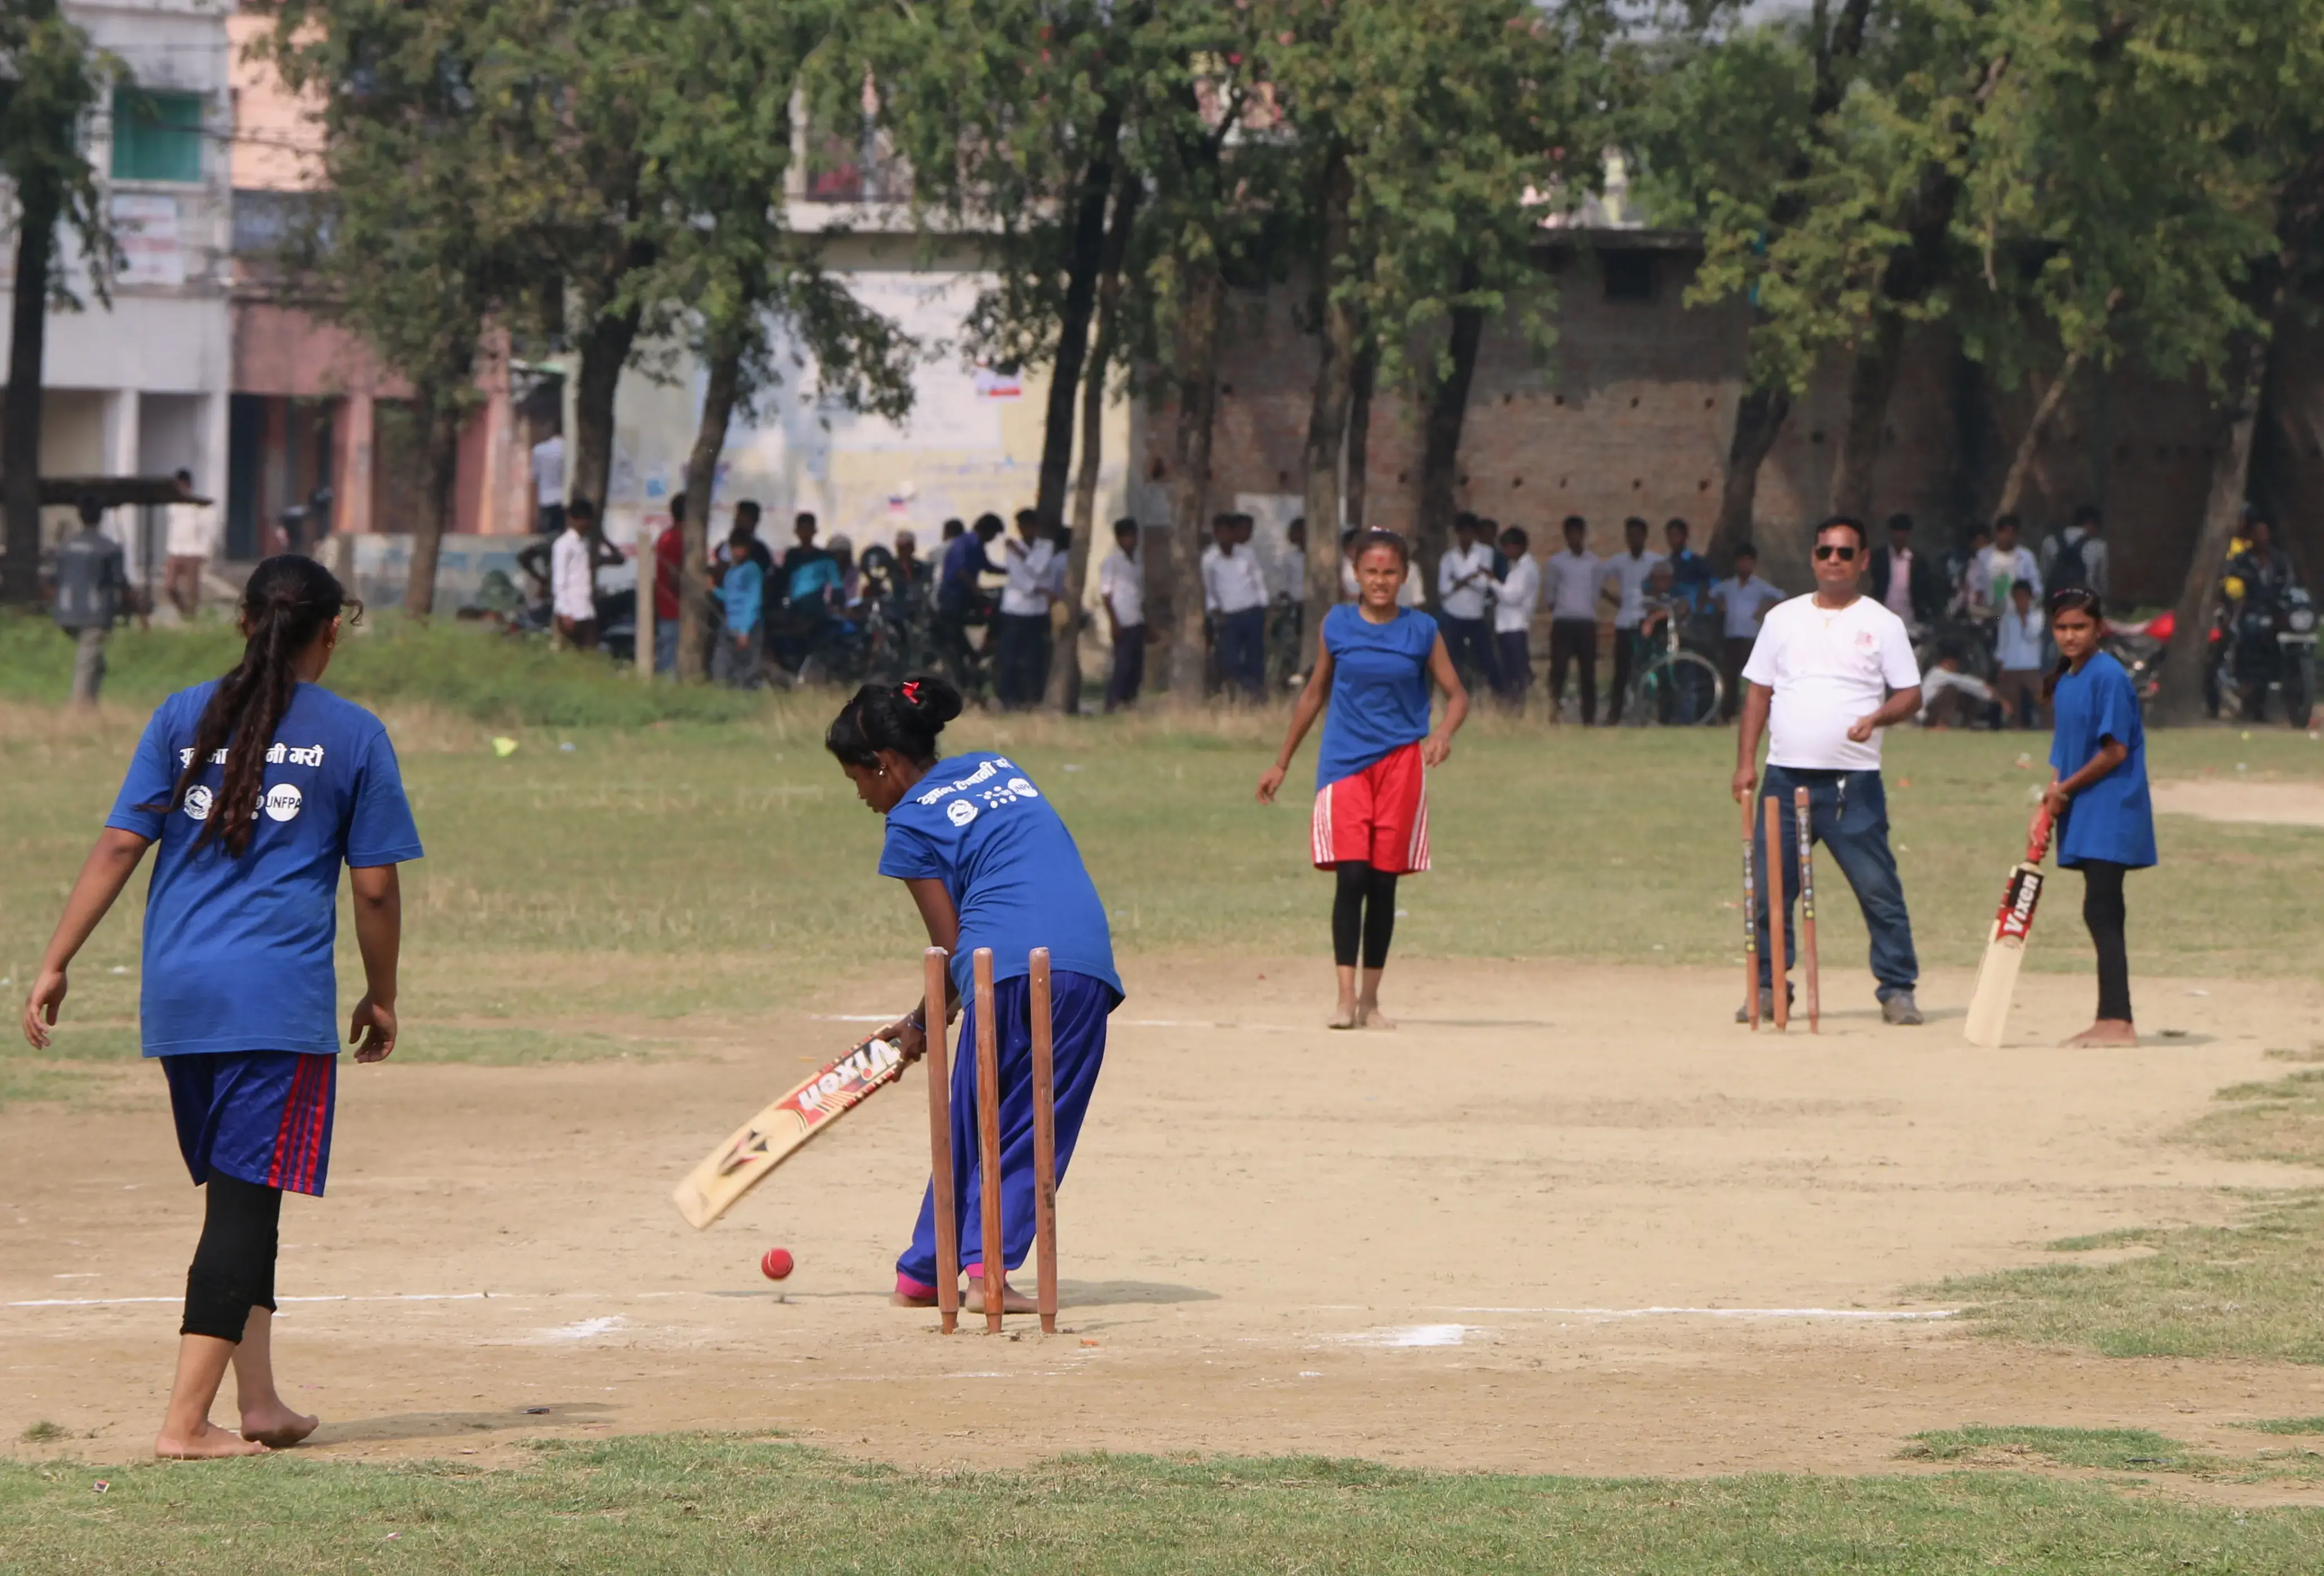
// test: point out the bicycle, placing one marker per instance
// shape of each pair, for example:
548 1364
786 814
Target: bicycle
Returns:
1679 688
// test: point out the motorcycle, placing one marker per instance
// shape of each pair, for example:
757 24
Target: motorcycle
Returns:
2278 651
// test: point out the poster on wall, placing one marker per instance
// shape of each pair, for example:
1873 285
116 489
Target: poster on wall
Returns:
145 234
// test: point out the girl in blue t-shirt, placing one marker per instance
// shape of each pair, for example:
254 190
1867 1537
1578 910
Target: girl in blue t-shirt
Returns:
1374 660
2103 817
257 787
989 863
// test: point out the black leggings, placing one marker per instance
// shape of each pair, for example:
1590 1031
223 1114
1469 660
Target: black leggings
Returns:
1362 911
2103 912
233 1266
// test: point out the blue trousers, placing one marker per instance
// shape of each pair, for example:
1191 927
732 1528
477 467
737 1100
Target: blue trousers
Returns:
1242 651
1469 642
1078 1007
1848 813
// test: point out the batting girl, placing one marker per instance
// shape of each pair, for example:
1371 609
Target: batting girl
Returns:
257 786
2103 817
1374 661
988 864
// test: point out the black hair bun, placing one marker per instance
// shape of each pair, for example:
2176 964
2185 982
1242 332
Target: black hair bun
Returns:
928 700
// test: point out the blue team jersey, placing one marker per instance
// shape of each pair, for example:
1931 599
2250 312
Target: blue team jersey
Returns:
976 823
1379 689
2113 817
238 950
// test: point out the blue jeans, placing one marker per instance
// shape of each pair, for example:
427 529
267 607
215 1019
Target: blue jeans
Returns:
1848 813
1469 642
1078 1005
1242 651
665 646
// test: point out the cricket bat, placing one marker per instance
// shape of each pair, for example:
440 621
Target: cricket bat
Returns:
2004 948
783 1129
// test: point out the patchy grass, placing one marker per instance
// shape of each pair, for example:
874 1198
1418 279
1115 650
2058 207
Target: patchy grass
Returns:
511 1047
2286 1425
2109 1448
2280 1119
42 1433
706 1503
2244 1291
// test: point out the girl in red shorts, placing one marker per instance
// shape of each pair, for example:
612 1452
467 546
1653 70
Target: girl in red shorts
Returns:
1374 662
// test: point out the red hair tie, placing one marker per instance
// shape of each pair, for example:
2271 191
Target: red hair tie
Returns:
910 691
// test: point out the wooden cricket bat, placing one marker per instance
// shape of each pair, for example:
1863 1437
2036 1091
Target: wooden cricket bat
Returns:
783 1129
2004 948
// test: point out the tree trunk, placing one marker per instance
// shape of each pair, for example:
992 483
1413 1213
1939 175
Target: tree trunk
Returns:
723 380
2181 697
20 443
1440 450
1084 261
605 344
1871 380
1360 434
1065 668
440 412
1327 410
1759 417
2021 465
1196 376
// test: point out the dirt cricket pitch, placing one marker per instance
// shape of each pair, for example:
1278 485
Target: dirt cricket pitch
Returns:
1567 1219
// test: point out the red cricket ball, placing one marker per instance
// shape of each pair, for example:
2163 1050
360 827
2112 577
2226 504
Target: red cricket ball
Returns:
777 1263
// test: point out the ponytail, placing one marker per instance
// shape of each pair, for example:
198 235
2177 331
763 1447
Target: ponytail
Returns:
289 601
2068 599
903 717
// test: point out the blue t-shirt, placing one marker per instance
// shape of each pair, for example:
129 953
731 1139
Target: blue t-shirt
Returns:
2113 817
1379 689
977 823
811 579
742 593
238 950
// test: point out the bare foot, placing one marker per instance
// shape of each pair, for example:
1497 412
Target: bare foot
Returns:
909 1300
1012 1301
2107 1031
1370 1016
1345 1016
209 1444
278 1427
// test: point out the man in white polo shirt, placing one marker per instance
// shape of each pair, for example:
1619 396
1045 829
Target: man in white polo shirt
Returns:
1234 595
1828 672
1625 575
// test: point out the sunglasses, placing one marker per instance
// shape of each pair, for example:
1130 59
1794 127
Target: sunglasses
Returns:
1833 551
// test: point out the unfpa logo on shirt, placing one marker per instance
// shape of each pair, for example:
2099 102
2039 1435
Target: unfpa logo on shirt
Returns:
281 802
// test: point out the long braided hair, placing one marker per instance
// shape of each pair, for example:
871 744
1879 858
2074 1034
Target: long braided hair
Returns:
289 601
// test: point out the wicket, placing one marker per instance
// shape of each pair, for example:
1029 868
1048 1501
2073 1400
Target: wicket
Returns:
935 994
988 1133
1802 829
1778 911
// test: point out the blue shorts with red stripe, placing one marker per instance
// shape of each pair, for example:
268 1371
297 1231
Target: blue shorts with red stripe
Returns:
261 1116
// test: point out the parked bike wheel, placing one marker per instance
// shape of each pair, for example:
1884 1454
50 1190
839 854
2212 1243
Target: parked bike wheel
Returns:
1684 690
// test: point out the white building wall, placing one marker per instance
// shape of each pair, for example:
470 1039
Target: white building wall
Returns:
147 377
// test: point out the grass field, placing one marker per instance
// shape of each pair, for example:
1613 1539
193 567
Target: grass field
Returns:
694 1503
647 862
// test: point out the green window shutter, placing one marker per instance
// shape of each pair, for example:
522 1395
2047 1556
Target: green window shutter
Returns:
156 136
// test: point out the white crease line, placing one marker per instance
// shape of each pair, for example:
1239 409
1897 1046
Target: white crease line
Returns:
1891 1314
852 1017
395 1297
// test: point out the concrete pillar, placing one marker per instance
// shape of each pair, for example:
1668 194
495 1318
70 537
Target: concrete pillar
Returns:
121 442
352 508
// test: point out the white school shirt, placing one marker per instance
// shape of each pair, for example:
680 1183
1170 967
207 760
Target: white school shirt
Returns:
1993 572
1474 566
1232 582
1406 595
1743 599
1828 666
1121 582
1570 582
1026 566
572 580
1290 574
1900 584
1515 599
1628 574
2019 645
548 469
192 531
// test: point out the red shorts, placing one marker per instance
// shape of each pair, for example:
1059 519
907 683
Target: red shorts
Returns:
1378 815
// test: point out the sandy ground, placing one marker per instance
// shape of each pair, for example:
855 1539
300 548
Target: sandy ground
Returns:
2269 804
1566 1219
